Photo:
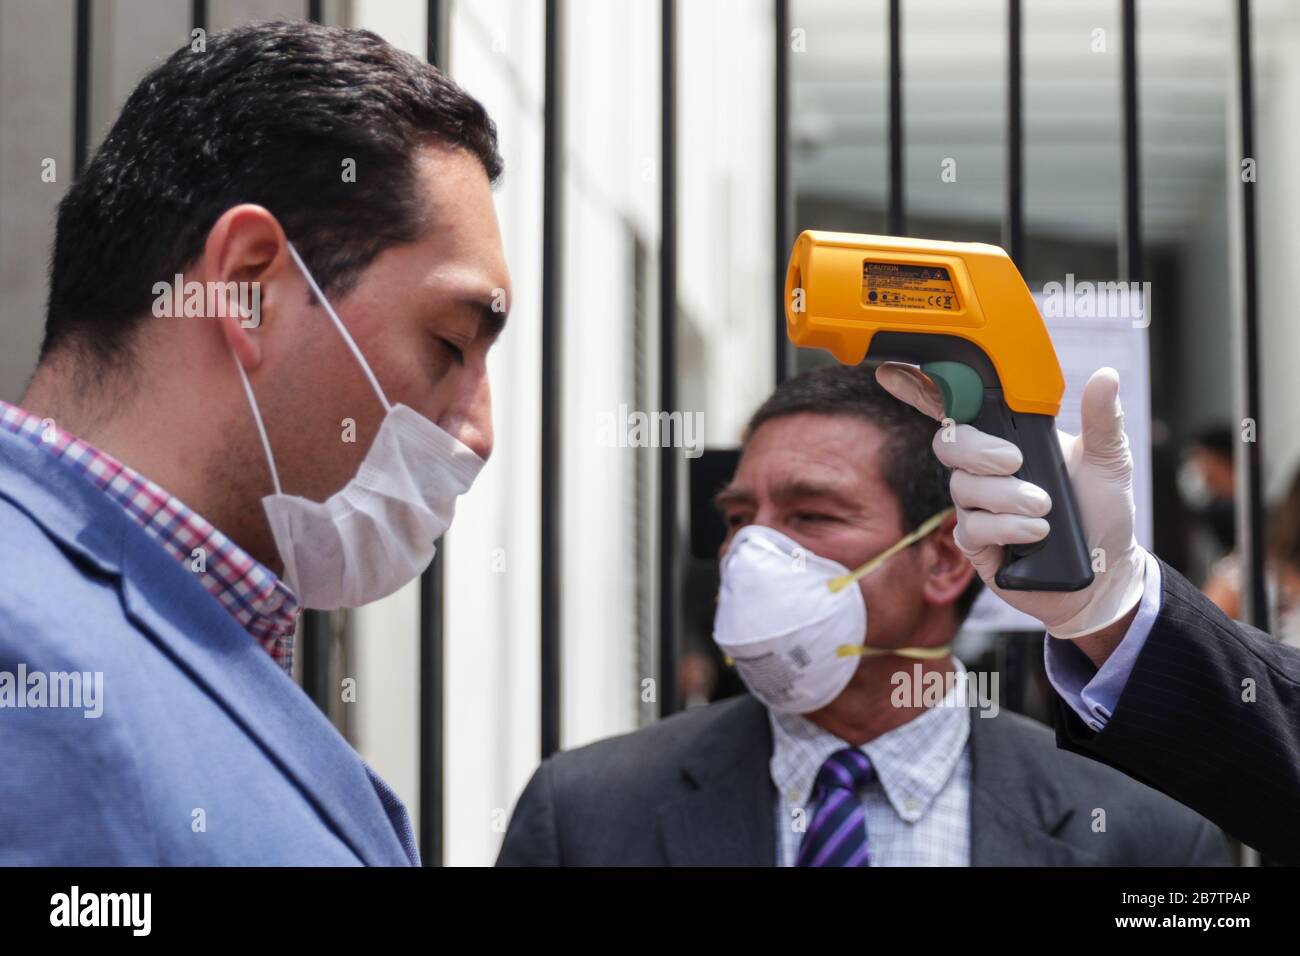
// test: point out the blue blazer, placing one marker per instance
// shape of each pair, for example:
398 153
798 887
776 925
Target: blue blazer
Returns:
205 752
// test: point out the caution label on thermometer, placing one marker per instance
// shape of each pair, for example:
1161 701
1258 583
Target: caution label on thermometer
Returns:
902 286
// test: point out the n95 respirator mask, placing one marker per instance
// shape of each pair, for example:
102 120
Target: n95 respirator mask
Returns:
794 623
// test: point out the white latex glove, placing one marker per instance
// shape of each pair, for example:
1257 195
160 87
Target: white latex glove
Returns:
995 509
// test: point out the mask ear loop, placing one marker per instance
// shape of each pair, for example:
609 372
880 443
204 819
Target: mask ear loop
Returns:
257 417
838 584
844 580
338 324
916 653
858 650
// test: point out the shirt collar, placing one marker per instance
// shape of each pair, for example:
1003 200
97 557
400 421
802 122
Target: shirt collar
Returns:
257 599
913 762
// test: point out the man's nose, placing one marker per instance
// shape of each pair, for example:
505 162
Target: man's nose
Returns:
769 517
469 419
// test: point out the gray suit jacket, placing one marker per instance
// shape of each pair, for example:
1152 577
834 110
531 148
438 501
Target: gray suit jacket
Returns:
695 790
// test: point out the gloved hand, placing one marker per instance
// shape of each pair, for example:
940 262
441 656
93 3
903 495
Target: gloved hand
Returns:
995 509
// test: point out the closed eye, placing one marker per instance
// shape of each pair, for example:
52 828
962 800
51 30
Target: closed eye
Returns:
811 516
457 353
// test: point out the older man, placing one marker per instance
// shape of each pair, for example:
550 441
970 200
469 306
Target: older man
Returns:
842 590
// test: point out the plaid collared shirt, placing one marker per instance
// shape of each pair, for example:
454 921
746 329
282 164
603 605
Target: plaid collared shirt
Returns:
261 603
918 802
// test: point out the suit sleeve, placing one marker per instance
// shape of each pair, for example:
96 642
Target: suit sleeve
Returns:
1210 715
532 838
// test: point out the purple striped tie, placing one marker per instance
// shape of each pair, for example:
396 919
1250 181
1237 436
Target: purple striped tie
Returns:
837 835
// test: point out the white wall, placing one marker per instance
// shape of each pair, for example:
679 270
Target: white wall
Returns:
1277 203
492 729
725 211
129 38
611 195
36 109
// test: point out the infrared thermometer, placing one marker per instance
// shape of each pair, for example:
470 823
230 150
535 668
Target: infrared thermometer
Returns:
962 312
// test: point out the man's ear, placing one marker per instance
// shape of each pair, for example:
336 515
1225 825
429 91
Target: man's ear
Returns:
245 246
947 570
247 347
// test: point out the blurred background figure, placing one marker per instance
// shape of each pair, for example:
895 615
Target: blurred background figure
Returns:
1224 584
1207 481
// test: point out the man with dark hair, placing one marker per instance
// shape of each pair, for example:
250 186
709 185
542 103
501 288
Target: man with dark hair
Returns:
262 387
906 465
842 590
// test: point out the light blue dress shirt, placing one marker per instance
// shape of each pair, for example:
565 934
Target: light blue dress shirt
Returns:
917 805
1093 692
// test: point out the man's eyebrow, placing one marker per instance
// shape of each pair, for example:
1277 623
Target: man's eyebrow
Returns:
732 495
801 488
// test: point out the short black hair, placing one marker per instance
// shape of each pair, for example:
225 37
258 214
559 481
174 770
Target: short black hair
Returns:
1218 439
907 462
267 113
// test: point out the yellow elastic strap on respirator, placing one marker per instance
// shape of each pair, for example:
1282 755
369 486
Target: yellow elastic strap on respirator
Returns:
916 653
844 580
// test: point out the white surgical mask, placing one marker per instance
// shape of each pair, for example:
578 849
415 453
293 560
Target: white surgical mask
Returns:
376 534
1193 487
795 623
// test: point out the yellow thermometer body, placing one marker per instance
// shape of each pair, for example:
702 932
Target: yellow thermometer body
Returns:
964 314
